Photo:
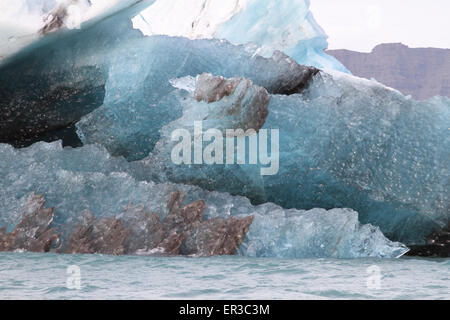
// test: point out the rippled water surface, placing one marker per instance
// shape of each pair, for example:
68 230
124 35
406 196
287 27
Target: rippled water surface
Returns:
46 276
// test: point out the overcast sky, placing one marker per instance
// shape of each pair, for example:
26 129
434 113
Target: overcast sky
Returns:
362 24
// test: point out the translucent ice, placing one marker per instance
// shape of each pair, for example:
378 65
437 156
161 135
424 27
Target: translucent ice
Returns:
23 21
344 142
138 99
109 67
271 25
75 180
53 82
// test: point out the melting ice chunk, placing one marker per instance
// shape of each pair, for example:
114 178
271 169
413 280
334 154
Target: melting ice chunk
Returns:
343 142
271 25
75 180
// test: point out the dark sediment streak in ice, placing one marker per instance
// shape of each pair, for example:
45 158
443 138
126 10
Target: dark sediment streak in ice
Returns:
33 233
438 245
181 232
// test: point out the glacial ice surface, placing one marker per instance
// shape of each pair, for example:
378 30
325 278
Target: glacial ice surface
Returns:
22 20
120 79
287 26
344 142
73 180
138 94
270 25
56 80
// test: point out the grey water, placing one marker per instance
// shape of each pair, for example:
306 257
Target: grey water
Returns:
55 276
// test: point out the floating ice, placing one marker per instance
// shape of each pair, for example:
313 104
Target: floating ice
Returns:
20 21
271 25
109 67
344 142
75 180
23 21
53 82
138 99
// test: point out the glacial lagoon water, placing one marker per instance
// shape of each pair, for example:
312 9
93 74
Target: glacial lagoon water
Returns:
53 276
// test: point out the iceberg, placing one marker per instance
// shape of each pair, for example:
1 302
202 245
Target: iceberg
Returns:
138 95
74 181
124 85
23 22
53 82
343 142
20 22
286 26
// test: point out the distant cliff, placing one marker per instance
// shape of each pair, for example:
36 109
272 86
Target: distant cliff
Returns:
420 72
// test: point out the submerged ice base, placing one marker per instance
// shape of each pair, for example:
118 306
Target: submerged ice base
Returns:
75 180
